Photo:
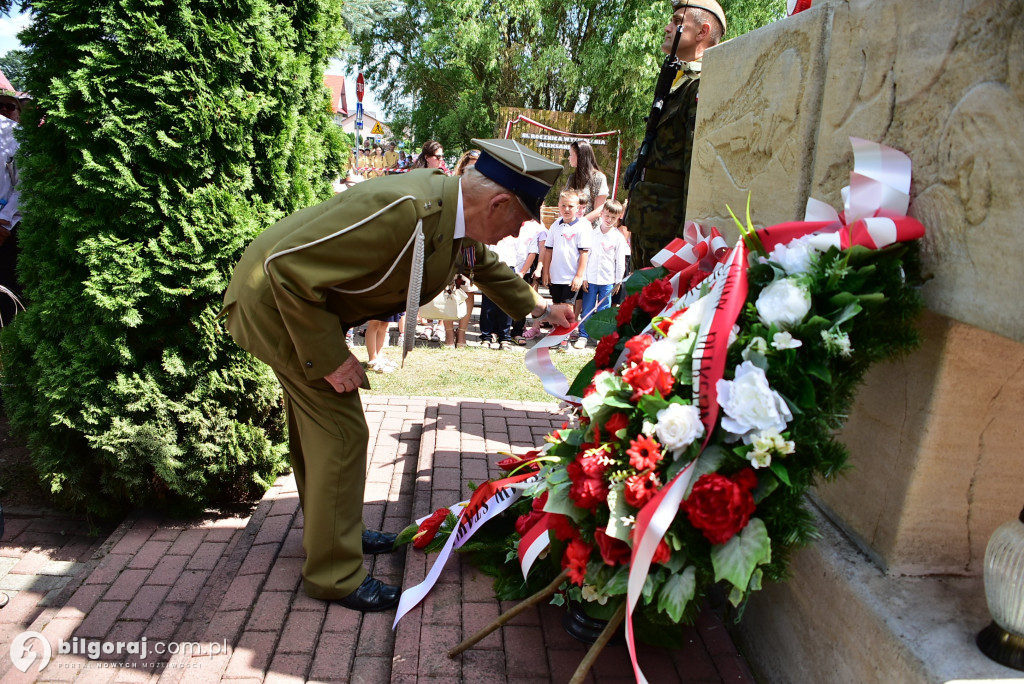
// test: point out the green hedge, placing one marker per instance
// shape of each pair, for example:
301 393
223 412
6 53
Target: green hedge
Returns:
165 136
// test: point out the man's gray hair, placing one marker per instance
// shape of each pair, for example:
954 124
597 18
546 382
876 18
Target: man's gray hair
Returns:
702 16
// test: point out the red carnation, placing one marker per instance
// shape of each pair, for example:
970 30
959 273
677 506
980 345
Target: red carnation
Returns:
526 521
637 346
640 489
644 453
592 463
649 377
538 502
613 551
655 296
429 527
605 348
615 422
575 560
588 492
719 506
625 314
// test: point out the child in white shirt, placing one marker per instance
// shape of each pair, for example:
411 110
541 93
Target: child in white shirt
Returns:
606 265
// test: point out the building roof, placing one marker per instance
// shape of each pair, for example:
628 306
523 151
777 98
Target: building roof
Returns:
337 86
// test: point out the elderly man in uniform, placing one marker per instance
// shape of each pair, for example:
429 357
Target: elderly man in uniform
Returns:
382 247
659 178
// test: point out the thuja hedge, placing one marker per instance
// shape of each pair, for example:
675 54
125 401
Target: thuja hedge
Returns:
165 136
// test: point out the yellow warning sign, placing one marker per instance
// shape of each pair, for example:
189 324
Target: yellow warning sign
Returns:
377 129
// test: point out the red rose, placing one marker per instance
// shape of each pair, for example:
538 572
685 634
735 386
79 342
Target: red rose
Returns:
575 560
655 296
615 422
429 527
662 553
538 502
640 489
649 377
637 346
626 308
525 522
592 463
613 551
643 453
562 527
512 462
605 348
719 506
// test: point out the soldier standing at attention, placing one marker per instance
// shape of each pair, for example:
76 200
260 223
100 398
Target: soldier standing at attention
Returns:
383 246
658 179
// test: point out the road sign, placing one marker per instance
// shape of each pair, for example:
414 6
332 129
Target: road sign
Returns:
360 86
359 115
377 129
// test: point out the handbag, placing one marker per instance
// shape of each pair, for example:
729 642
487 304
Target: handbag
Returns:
448 305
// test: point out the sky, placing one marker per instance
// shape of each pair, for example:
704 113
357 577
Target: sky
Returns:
9 27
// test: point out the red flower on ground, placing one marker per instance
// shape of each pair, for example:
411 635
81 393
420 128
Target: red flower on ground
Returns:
575 560
429 527
605 348
615 422
655 296
637 346
644 453
649 377
640 489
613 551
719 506
626 308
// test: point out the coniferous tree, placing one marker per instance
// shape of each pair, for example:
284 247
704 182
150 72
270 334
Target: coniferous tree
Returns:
171 134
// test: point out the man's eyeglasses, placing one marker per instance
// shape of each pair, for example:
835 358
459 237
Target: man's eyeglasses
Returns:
8 106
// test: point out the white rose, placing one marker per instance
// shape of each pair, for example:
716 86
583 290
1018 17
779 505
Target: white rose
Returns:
796 257
750 405
678 426
784 303
757 345
664 350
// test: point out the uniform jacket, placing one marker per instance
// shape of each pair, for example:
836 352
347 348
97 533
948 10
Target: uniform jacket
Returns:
323 269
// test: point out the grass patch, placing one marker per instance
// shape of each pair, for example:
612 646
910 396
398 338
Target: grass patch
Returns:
470 372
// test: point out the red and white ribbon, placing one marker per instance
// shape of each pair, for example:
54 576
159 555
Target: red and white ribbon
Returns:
489 499
697 246
533 543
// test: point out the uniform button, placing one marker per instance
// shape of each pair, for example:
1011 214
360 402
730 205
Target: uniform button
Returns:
309 364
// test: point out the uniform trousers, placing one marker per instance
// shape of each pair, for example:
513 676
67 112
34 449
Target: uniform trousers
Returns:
328 437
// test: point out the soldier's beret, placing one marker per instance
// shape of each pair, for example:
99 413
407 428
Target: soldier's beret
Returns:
519 169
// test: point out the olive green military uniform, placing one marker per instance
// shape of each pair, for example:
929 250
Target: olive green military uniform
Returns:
296 290
657 203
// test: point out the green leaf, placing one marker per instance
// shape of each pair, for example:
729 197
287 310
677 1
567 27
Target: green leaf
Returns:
651 404
736 559
819 370
617 509
559 502
618 583
583 378
676 592
601 323
780 472
640 278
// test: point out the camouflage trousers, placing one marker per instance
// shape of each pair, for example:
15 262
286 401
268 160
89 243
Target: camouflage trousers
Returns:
657 214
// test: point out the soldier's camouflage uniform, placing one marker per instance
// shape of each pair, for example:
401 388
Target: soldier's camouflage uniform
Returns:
657 204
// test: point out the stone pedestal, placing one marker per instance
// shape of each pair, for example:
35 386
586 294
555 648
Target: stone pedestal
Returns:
935 438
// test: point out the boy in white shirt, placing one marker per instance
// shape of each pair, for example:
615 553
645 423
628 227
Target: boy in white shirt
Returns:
606 265
566 251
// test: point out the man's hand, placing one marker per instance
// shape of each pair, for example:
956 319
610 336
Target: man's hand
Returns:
562 315
347 377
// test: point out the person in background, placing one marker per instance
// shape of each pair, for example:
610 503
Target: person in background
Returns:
624 231
590 184
532 272
431 157
495 324
606 265
455 335
10 213
565 254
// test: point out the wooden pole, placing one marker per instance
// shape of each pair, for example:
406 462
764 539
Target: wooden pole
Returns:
602 641
505 617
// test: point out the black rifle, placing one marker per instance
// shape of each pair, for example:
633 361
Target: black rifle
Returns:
669 68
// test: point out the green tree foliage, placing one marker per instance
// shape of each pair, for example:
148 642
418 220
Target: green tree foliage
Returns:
13 66
746 15
174 133
444 67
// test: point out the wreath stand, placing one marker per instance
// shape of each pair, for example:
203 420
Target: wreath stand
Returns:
592 654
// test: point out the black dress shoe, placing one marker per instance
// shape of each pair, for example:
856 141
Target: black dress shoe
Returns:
372 596
378 542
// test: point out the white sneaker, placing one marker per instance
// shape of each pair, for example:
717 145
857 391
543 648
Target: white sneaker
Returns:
580 343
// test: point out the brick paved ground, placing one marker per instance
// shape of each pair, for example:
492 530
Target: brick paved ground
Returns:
234 581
